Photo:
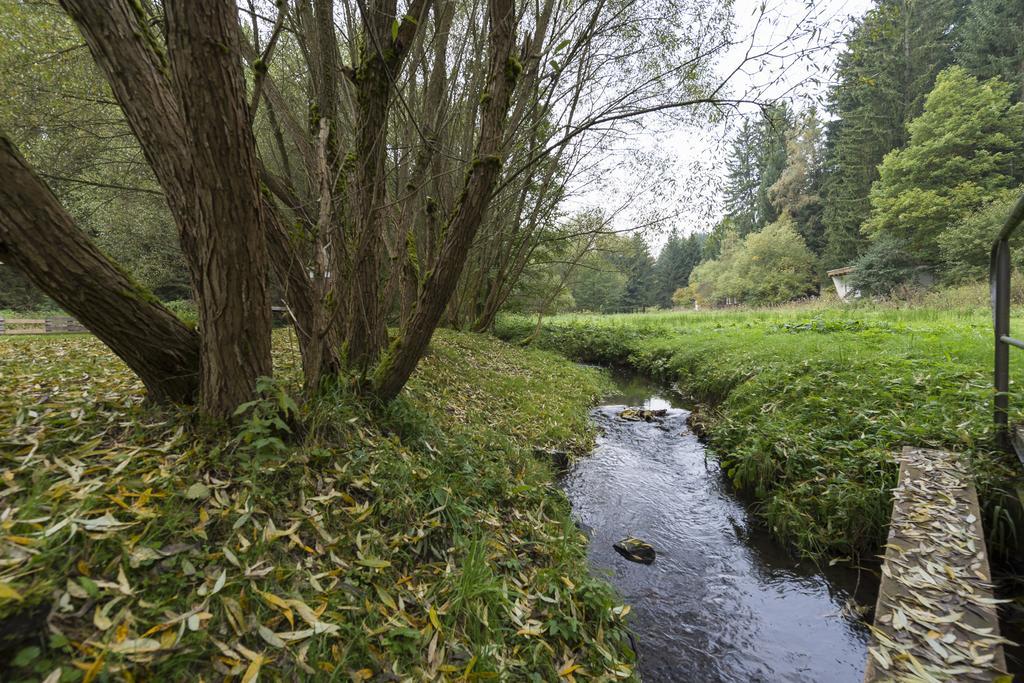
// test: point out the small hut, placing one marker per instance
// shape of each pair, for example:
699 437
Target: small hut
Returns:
841 279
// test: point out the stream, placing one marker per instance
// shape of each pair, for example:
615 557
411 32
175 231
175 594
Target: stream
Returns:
723 601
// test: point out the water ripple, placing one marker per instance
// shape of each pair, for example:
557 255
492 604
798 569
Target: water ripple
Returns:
722 602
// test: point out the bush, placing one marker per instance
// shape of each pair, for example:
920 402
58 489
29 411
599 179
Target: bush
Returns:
886 267
966 245
767 267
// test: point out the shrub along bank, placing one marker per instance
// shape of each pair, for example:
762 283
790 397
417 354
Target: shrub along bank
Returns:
805 407
420 541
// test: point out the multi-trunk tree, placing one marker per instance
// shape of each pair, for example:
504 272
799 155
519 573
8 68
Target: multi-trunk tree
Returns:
178 77
352 150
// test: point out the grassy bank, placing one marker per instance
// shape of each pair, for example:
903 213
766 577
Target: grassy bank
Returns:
421 541
808 404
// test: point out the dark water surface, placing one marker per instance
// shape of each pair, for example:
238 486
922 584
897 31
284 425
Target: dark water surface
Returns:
722 602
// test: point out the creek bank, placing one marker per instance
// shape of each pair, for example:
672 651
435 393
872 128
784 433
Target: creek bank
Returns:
806 418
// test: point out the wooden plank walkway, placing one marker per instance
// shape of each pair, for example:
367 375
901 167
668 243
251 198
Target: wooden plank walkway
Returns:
936 618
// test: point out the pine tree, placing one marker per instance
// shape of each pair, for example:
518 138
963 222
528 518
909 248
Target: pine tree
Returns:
743 179
677 259
991 42
772 158
639 268
758 159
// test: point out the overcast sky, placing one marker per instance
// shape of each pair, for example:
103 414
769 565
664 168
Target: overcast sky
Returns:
697 154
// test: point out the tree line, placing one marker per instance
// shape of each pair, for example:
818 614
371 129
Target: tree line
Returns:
906 173
916 165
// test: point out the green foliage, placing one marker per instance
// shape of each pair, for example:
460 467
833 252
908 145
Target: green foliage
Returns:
991 42
17 293
797 191
891 59
184 309
417 537
638 266
807 405
598 285
965 247
758 158
964 148
263 426
677 259
617 274
887 265
770 266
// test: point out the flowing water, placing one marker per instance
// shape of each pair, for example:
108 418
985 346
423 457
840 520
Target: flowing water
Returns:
722 601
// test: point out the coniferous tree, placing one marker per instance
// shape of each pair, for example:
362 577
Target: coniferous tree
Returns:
798 188
677 259
889 66
743 179
757 161
964 149
991 42
639 269
772 158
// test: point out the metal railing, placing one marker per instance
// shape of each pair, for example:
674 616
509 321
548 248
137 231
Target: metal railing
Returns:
999 281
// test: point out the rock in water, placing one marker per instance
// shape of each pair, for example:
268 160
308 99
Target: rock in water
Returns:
635 550
642 414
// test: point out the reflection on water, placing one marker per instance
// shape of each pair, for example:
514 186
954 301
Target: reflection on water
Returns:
723 602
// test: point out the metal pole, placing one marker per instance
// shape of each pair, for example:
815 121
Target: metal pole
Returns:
1001 319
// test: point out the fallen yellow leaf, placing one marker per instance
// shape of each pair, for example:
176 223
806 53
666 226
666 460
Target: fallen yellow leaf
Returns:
8 593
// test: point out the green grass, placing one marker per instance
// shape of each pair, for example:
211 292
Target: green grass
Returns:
424 540
806 405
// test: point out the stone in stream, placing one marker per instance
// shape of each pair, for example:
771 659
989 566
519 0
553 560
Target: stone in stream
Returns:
635 550
641 414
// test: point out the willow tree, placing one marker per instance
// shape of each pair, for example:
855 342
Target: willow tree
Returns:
183 93
184 99
352 150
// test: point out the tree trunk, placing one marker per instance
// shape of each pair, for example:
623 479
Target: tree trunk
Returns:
385 48
39 238
398 364
232 292
187 108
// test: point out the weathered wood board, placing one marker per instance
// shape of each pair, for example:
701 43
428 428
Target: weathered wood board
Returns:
936 616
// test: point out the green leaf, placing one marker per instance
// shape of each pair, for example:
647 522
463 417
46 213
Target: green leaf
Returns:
394 30
198 491
375 563
25 656
89 586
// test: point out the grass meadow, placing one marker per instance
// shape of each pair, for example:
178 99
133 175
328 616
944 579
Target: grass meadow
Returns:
805 405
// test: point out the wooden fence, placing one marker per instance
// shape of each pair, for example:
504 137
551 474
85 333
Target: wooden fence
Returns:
56 325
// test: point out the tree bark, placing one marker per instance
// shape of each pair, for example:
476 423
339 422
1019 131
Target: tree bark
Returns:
232 291
39 238
381 60
402 357
187 107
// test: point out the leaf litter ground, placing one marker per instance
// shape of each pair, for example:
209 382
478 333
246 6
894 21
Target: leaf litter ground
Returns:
423 541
